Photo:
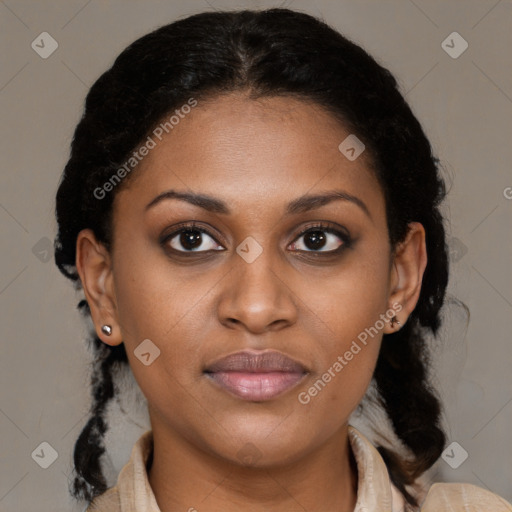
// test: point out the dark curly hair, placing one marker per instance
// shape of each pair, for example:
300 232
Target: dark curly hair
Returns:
267 53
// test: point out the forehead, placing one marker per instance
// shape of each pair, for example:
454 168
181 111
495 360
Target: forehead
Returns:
256 152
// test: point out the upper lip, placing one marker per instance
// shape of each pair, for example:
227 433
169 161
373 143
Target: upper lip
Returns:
256 362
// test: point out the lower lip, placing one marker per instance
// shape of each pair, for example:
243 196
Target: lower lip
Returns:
256 386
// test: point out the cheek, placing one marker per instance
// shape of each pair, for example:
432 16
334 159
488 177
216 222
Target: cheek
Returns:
167 305
161 304
348 299
154 296
345 318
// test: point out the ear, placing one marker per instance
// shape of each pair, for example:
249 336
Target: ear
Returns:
93 263
408 265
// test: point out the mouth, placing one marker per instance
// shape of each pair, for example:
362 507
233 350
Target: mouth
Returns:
256 376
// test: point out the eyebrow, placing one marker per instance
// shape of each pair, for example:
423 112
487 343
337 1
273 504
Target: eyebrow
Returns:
300 205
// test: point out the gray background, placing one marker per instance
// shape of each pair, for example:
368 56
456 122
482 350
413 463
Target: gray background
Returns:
465 106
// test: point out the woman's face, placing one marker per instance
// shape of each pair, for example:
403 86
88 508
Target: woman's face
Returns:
251 281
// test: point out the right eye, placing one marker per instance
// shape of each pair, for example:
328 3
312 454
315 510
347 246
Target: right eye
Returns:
191 238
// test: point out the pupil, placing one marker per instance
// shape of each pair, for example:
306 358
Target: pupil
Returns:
317 238
190 238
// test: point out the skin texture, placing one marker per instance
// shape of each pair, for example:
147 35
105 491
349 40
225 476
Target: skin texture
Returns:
256 156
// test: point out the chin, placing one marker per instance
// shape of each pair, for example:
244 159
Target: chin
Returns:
263 442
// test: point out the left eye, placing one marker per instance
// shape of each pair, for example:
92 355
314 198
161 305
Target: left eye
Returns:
320 238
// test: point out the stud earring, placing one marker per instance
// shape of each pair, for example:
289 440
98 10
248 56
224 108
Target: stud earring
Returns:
394 320
106 329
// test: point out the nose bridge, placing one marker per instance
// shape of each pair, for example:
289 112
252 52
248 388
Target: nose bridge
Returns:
256 295
256 267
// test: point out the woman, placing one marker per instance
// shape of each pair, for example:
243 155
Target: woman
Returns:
252 211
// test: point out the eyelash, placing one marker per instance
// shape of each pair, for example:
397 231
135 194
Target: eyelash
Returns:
320 226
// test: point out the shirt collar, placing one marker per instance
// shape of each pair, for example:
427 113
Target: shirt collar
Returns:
135 493
374 487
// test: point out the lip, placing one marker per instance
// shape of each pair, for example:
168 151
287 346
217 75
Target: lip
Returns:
256 375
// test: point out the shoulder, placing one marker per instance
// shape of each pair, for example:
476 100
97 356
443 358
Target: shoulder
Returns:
109 501
463 498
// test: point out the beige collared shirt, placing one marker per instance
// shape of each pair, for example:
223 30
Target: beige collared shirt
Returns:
376 493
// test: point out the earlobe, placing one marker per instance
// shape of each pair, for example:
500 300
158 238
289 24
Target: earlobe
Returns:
93 264
410 261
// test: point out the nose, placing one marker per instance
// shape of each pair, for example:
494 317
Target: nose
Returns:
256 296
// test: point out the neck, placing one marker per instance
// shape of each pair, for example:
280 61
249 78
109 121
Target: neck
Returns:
185 478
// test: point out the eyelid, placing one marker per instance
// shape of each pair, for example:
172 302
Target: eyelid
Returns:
182 226
325 226
339 231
